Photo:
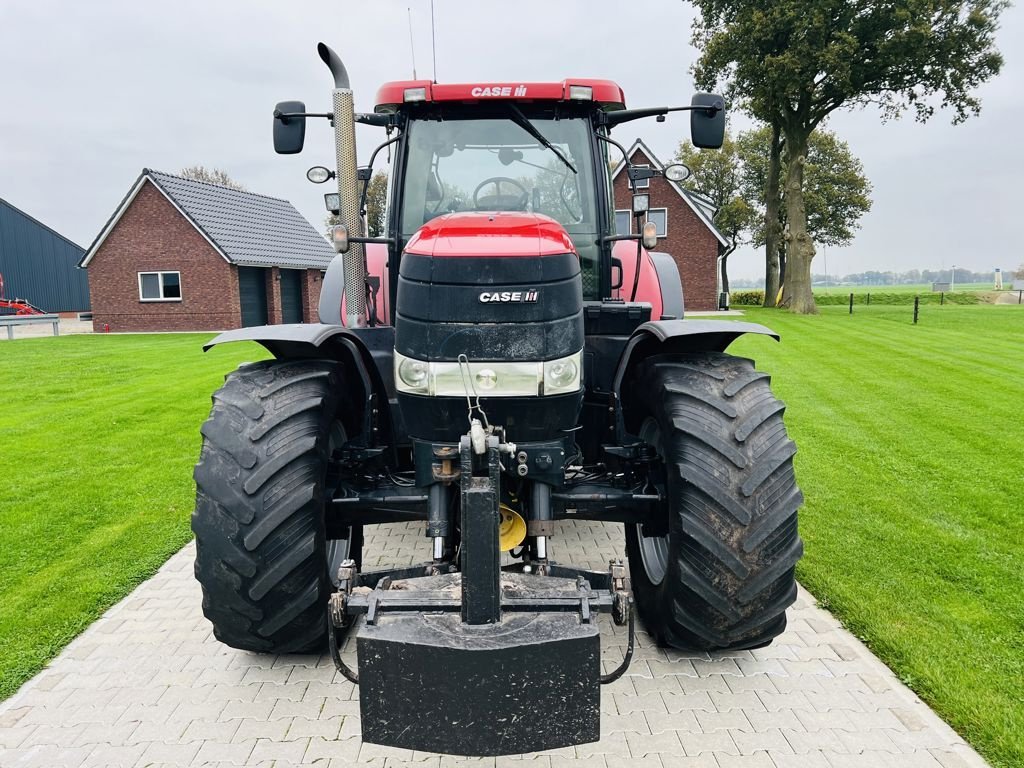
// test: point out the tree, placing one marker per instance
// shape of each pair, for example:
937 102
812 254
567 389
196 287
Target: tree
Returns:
773 226
718 176
376 206
761 172
210 176
791 63
836 191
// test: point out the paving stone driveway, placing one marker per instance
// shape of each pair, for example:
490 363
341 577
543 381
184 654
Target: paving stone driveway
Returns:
148 685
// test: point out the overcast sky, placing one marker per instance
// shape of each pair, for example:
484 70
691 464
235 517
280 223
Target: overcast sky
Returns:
93 92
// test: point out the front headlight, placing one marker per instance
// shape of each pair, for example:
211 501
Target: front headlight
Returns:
488 378
561 375
415 374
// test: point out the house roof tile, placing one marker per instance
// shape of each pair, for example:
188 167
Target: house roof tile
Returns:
246 228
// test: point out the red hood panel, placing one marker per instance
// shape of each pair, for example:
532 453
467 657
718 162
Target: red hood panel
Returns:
498 234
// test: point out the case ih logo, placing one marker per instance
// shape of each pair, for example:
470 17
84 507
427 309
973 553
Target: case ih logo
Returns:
508 297
498 90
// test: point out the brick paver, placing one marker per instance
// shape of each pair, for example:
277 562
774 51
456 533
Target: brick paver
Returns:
147 685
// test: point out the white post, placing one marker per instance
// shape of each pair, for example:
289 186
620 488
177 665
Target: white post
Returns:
952 280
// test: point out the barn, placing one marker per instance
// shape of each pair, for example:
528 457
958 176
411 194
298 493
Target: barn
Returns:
185 255
685 223
39 265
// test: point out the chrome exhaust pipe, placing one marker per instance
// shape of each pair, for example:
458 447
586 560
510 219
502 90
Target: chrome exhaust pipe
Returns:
348 188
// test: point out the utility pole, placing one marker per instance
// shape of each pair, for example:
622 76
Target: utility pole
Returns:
952 280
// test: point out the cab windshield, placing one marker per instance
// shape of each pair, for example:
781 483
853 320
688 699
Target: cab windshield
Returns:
494 164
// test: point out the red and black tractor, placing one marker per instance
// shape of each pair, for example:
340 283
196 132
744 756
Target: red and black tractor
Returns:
498 361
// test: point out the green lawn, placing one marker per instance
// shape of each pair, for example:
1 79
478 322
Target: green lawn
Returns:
99 436
911 456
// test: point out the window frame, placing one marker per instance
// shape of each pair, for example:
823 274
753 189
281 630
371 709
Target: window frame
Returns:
629 218
160 278
648 218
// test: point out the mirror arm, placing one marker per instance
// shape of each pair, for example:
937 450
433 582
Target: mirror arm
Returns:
366 184
617 238
625 158
378 240
373 118
283 116
625 115
361 117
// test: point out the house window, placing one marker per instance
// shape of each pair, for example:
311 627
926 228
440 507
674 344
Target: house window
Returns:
642 183
159 286
623 222
660 218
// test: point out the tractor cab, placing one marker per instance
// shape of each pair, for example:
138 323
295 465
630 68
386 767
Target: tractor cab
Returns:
505 147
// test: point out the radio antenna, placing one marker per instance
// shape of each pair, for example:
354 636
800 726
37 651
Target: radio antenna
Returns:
433 39
412 48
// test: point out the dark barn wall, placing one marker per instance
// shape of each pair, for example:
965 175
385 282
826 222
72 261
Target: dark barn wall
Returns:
40 265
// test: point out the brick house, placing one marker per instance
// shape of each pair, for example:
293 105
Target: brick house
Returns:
685 227
183 255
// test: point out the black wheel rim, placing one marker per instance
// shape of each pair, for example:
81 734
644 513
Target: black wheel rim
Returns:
653 549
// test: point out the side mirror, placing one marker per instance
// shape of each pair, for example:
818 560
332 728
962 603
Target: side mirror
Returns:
289 132
707 126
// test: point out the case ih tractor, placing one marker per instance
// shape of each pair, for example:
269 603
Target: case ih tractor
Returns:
498 361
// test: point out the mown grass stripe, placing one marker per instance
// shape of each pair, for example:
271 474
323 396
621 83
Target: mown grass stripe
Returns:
912 463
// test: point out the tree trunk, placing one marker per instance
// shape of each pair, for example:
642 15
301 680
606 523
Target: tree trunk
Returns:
797 294
772 231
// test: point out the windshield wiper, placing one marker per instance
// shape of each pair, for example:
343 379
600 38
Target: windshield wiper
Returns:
521 120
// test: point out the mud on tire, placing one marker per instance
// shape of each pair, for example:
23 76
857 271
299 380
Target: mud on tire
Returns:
724 575
261 549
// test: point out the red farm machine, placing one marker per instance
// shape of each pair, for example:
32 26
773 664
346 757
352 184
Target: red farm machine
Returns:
499 360
16 306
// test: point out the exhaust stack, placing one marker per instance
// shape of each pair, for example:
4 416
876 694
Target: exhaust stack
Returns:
348 188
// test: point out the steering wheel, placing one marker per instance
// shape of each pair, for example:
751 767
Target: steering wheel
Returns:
514 201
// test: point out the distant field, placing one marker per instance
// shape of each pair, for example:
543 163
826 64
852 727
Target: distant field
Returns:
846 290
100 434
911 456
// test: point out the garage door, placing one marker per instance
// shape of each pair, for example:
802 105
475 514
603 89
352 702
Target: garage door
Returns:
291 296
252 291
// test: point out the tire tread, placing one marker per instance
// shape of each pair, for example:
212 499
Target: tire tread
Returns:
258 518
733 503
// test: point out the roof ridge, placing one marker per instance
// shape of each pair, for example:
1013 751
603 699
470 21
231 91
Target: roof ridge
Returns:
151 171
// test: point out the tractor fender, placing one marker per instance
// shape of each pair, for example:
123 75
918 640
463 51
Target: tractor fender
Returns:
367 352
672 303
675 336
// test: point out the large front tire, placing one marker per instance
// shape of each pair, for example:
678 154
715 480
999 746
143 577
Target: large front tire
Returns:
262 554
724 574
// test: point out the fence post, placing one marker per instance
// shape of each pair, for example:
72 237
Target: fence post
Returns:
917 303
851 303
869 299
942 298
1020 295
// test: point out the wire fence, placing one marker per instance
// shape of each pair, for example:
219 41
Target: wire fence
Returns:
897 305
